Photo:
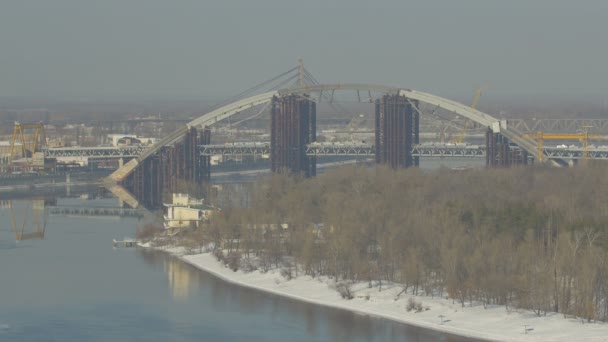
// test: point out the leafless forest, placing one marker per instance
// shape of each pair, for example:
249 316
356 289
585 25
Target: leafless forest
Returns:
531 238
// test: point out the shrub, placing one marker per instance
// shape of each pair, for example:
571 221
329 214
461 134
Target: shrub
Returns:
286 273
414 305
248 266
233 260
190 246
218 254
287 270
345 291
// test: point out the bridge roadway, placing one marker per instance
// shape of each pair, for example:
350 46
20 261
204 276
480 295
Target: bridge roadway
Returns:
264 148
352 150
94 152
423 150
325 149
226 111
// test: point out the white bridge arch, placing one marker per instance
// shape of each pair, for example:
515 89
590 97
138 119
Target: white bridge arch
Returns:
228 110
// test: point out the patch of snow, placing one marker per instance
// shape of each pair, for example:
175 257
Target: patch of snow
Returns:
493 323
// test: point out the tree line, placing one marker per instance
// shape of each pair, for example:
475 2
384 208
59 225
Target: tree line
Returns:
534 238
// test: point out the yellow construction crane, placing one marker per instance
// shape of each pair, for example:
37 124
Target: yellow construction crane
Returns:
467 122
31 146
583 137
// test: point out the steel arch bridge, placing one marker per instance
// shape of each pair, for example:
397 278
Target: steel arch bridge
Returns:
228 110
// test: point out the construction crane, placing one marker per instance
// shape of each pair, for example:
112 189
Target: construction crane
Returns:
21 133
583 137
467 122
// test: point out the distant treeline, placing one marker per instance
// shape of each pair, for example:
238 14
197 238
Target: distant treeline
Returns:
533 238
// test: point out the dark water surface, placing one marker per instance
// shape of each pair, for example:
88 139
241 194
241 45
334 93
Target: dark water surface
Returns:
73 286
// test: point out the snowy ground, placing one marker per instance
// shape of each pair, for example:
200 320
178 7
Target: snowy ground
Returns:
493 323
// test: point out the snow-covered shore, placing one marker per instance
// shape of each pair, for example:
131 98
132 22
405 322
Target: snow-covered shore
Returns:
494 323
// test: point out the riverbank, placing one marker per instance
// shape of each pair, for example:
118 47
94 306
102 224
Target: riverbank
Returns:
494 323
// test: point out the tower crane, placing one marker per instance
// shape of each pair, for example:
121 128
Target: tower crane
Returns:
463 133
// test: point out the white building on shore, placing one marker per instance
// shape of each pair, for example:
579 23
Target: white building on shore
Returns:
185 212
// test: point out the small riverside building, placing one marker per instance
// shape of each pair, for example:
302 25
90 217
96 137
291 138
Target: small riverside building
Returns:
185 212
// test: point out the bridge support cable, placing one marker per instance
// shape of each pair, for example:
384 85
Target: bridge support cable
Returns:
289 82
259 86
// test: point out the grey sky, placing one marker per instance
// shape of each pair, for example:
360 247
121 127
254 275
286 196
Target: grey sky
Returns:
187 49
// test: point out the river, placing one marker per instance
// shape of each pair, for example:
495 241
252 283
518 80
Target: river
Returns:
72 285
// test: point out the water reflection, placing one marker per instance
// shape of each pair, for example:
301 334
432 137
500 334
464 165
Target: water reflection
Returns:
27 219
318 322
180 279
179 274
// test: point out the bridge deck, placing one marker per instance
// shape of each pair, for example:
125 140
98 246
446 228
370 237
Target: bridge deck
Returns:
424 150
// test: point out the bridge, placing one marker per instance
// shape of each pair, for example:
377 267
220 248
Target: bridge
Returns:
330 149
95 152
409 96
265 149
183 155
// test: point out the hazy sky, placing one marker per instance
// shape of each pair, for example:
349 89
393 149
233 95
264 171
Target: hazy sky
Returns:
191 49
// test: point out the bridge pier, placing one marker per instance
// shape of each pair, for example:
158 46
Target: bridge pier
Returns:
501 153
162 171
292 127
397 131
